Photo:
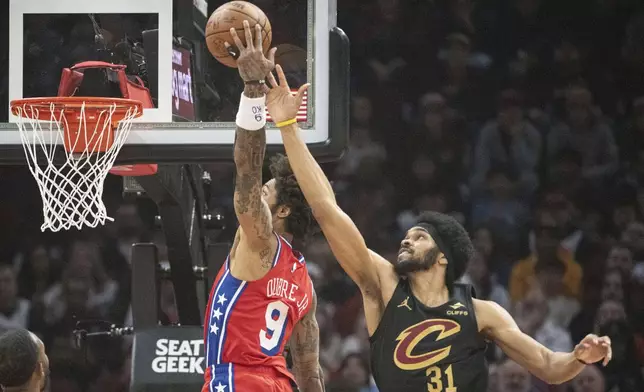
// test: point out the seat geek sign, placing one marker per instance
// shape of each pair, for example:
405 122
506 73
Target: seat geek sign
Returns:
178 356
168 357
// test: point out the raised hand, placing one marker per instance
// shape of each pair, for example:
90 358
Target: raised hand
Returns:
253 65
281 104
593 349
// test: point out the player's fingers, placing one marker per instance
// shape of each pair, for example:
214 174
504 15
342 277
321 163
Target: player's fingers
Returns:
271 55
271 80
580 348
590 337
300 93
236 40
282 77
258 36
609 356
249 35
605 340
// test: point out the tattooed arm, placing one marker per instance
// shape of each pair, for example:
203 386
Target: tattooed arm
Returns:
252 212
305 350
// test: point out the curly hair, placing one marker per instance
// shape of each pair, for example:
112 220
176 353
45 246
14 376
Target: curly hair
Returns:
300 221
455 238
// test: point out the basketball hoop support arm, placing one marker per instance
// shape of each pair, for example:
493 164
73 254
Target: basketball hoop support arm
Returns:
176 190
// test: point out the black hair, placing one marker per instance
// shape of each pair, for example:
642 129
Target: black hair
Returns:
300 221
456 241
18 357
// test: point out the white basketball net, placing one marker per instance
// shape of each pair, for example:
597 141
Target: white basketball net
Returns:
71 192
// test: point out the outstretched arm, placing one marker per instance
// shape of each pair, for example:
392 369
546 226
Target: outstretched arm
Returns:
345 240
252 212
304 347
343 236
551 367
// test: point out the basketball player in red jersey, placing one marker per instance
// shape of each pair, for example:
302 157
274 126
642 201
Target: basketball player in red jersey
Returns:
263 293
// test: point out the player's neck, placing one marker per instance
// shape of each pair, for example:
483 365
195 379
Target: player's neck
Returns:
429 287
287 236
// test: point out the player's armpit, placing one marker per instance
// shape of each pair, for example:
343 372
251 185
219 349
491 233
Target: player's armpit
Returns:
344 238
496 324
304 348
252 212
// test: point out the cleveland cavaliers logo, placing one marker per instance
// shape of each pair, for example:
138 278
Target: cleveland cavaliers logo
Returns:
409 338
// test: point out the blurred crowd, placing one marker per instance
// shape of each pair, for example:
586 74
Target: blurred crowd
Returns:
524 119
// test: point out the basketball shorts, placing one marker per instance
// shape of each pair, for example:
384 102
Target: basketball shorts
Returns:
235 378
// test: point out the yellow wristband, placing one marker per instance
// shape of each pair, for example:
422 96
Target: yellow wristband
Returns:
285 123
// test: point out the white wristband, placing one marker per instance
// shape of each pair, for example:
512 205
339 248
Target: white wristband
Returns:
251 115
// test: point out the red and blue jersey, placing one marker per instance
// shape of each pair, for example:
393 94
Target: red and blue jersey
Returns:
247 324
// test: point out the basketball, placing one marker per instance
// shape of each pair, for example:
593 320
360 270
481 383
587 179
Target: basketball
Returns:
232 15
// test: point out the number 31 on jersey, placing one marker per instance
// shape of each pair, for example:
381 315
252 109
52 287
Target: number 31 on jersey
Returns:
270 339
435 379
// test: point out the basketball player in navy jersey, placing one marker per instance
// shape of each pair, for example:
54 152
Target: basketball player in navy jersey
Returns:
427 333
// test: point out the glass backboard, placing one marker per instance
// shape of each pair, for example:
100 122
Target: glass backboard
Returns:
162 43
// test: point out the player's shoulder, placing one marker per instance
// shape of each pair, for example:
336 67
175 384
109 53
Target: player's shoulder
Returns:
488 313
383 266
387 279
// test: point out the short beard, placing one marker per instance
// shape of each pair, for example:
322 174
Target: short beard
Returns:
404 268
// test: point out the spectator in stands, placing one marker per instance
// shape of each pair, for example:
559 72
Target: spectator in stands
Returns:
562 308
354 374
631 139
104 288
461 77
613 287
361 147
478 275
620 258
513 377
501 208
510 142
37 274
609 311
573 239
14 311
587 134
590 379
624 210
584 322
623 372
547 250
440 134
67 301
534 318
330 340
633 237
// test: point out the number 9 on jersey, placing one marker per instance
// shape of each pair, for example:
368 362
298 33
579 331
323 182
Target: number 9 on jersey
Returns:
270 339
